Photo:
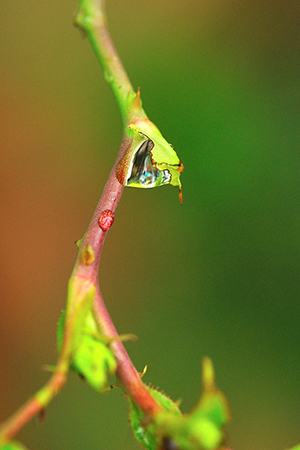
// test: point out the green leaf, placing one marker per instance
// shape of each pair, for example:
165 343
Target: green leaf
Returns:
212 404
13 445
143 427
60 330
202 429
187 432
91 357
149 161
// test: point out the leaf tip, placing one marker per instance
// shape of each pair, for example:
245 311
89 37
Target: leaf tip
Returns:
180 196
208 374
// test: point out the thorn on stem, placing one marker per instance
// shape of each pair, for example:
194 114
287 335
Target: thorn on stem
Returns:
144 371
136 103
78 242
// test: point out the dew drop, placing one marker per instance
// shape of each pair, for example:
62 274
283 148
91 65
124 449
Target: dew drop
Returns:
147 178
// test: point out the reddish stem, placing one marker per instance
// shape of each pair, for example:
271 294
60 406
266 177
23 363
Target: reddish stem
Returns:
34 405
128 376
94 237
91 18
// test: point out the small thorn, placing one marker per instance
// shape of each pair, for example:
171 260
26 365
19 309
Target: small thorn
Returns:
78 242
144 371
136 103
178 402
121 337
128 337
78 22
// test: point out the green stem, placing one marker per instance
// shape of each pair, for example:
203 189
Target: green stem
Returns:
91 19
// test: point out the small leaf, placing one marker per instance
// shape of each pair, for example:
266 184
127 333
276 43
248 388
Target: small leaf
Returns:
92 358
212 404
81 293
187 432
149 161
164 401
202 429
143 427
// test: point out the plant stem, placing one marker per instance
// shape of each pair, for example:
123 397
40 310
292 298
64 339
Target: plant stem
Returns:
94 237
34 405
129 378
91 18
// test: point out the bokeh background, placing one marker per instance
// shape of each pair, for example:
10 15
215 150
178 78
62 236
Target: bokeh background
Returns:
218 276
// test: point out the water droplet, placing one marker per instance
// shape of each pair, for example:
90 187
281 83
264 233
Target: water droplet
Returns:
167 176
147 178
143 173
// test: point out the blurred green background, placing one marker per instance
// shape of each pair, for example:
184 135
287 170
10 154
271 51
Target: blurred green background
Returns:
218 276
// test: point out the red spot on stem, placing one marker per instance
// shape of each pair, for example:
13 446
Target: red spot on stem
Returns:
106 219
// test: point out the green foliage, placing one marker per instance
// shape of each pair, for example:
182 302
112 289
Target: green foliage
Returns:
60 330
163 156
150 160
91 357
13 445
212 404
142 425
202 429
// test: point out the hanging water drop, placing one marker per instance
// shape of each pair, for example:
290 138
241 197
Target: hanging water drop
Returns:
146 178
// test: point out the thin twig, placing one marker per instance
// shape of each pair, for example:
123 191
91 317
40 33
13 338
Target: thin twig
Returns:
94 237
34 405
91 18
